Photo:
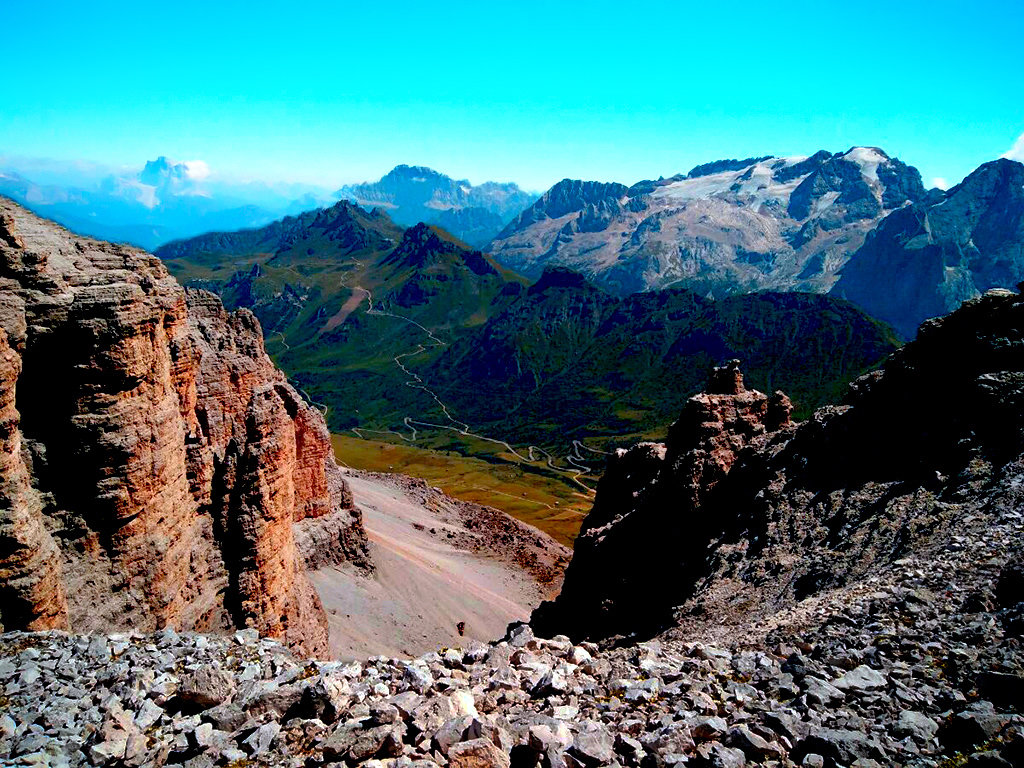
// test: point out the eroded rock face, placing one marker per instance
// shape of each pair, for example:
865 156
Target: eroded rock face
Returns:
646 526
31 588
155 463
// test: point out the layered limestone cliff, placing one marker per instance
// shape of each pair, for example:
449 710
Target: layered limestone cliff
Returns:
924 260
157 470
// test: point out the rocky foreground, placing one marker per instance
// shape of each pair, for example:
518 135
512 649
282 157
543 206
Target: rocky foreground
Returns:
918 665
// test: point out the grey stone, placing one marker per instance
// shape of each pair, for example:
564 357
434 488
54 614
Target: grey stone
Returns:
206 687
259 741
593 744
917 725
862 678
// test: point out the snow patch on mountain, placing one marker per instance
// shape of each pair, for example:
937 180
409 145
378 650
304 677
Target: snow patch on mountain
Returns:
868 158
755 185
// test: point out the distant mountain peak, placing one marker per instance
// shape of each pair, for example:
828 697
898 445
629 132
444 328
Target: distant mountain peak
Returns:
415 172
728 226
565 197
926 258
346 226
414 193
423 245
164 171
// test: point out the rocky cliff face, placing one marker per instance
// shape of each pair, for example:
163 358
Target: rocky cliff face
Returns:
741 514
156 464
924 260
569 196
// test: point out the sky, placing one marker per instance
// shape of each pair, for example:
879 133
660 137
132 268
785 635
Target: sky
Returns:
531 92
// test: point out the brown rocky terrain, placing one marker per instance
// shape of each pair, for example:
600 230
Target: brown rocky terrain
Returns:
158 470
658 487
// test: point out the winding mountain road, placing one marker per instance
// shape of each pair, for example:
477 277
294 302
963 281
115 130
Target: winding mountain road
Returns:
577 468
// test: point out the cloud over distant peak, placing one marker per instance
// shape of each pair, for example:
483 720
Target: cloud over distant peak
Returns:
196 170
1017 150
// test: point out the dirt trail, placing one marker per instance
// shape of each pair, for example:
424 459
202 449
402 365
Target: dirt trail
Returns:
425 583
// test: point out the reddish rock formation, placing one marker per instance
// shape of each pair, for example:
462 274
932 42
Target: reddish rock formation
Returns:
714 427
31 589
159 446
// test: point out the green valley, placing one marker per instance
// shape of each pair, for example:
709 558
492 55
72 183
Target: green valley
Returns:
429 358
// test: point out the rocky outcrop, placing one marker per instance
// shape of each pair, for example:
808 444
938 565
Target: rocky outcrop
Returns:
155 462
742 514
422 247
31 584
610 583
924 260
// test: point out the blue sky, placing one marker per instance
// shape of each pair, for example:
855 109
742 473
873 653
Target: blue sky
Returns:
528 91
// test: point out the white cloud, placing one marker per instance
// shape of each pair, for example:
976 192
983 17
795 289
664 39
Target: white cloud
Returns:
196 170
940 182
1017 151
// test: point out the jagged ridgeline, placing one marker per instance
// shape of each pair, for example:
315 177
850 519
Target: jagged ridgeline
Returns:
546 363
763 223
754 512
413 194
858 224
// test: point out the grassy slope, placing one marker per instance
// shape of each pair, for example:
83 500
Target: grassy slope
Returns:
573 363
540 500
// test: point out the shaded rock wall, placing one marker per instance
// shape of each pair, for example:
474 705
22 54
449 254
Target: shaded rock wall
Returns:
646 528
925 259
155 462
742 514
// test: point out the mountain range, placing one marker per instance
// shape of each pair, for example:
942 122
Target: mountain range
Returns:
857 223
826 222
725 227
414 194
413 333
183 564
